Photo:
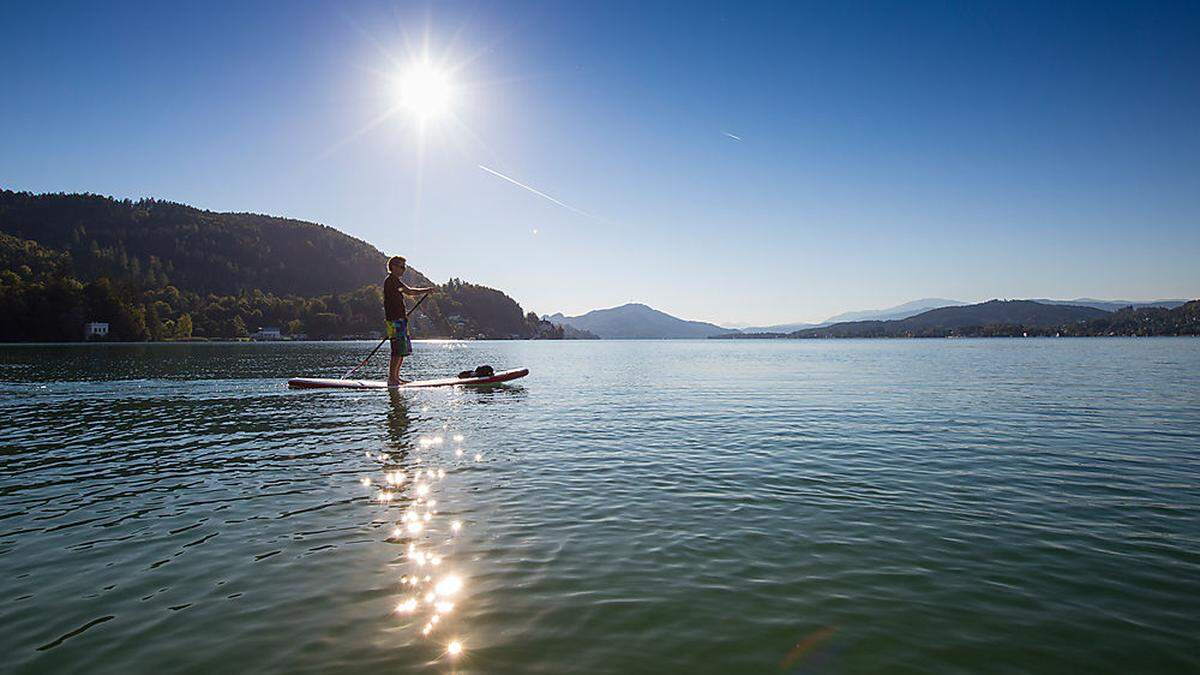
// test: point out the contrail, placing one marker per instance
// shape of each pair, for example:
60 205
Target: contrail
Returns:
535 191
733 136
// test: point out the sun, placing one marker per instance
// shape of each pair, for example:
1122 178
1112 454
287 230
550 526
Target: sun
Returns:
424 90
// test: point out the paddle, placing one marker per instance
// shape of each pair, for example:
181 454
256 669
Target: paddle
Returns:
385 339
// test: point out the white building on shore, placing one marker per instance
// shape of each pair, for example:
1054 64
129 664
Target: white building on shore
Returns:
268 334
95 330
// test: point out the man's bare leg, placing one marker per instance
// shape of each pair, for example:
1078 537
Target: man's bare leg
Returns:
394 371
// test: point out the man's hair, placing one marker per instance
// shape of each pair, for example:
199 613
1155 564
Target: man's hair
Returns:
395 260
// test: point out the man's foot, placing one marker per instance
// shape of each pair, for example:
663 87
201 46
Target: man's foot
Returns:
396 382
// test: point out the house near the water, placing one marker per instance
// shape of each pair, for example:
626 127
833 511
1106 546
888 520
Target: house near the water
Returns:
95 330
266 334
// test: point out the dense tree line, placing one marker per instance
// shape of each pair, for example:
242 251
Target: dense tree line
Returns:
54 307
1142 321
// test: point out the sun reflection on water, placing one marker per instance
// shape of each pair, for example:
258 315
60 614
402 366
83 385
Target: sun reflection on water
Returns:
431 590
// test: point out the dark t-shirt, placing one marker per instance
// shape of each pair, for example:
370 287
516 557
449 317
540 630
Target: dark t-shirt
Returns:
393 298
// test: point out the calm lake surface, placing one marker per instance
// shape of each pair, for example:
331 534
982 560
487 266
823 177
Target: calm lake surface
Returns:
923 506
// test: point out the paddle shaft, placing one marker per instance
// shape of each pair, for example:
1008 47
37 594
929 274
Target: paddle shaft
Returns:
385 339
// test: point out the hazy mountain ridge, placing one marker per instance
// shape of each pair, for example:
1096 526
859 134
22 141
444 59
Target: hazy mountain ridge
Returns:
997 318
915 307
902 311
1114 305
636 321
780 328
944 319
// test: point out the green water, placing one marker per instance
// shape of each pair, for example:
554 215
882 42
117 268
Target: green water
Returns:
931 506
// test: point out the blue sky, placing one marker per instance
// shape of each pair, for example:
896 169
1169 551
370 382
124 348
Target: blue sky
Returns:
888 151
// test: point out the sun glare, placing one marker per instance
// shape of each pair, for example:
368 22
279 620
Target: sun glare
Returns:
424 90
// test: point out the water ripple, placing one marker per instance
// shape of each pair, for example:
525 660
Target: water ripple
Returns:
848 506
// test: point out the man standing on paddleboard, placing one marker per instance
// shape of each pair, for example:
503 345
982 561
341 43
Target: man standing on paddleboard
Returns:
396 314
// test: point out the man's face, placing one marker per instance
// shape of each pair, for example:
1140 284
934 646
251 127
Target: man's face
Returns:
398 269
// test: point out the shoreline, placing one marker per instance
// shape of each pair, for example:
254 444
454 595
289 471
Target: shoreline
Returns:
103 343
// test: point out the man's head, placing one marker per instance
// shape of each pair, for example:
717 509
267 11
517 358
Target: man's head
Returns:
396 265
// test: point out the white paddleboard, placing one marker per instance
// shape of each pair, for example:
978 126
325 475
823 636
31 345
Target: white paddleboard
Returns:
331 383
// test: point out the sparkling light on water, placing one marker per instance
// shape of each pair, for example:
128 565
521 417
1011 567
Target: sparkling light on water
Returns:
449 585
418 485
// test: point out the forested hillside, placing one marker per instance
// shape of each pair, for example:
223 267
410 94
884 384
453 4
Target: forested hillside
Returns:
201 251
157 270
1015 318
946 320
1145 321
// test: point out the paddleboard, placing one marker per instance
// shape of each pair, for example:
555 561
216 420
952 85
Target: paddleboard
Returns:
331 383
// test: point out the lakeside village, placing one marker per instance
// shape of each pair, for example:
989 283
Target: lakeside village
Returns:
98 331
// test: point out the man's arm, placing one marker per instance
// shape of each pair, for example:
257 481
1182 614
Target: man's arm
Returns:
416 291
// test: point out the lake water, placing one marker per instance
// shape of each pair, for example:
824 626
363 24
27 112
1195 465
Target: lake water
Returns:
923 506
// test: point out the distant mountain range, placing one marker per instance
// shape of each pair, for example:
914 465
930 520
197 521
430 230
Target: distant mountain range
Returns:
780 327
1112 305
636 321
916 307
1016 318
898 312
946 320
926 317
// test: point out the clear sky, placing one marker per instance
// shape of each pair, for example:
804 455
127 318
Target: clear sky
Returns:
731 162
